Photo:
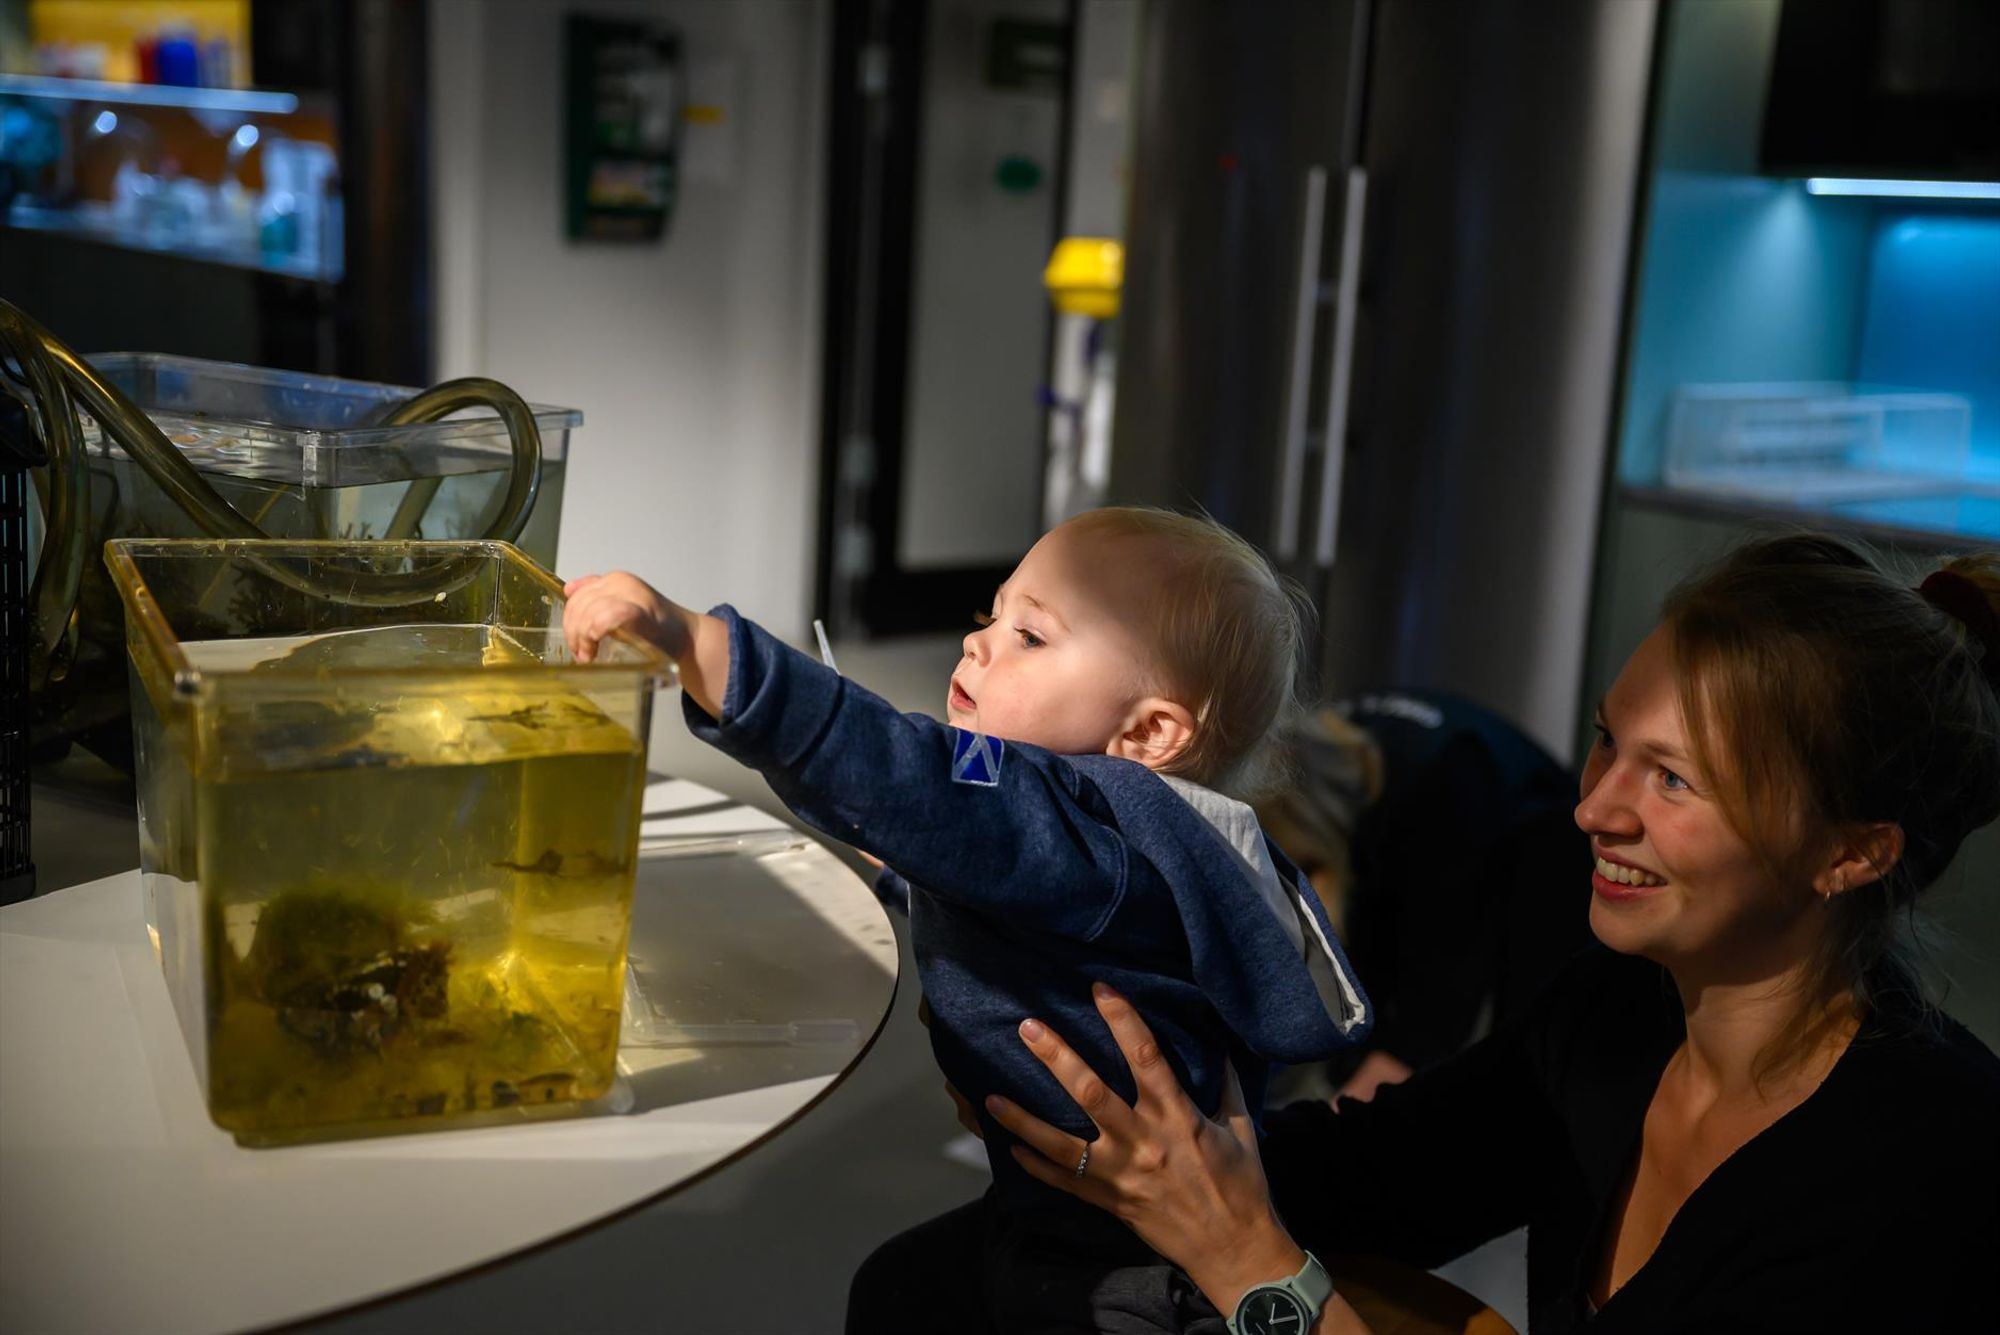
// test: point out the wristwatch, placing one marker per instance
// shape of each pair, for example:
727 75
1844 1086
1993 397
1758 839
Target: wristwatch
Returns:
1288 1307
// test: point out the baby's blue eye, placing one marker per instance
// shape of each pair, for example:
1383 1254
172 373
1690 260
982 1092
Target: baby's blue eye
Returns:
1029 640
1673 782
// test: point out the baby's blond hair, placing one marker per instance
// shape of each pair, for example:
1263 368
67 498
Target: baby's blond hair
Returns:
1226 633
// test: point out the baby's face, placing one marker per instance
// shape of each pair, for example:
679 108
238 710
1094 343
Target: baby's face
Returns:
1060 664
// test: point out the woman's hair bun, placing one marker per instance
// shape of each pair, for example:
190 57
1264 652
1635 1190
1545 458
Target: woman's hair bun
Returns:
1967 589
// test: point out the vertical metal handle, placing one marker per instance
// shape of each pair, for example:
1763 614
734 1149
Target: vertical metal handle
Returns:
1298 390
1340 381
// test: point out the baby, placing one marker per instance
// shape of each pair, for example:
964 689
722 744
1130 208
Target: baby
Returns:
1068 825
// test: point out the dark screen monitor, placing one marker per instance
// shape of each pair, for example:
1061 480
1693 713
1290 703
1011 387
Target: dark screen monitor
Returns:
1895 88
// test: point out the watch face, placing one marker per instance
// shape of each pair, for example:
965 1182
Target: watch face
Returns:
1271 1312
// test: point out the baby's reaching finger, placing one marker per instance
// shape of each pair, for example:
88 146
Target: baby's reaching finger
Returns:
573 634
590 617
577 619
605 616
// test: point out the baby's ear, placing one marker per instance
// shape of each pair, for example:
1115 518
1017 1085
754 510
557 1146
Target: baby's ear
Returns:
1156 733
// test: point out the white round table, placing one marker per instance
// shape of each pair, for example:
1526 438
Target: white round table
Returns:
123 1208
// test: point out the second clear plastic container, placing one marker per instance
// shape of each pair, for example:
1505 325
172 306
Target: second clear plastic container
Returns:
301 456
388 827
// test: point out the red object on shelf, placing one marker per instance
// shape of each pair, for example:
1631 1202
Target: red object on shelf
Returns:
147 49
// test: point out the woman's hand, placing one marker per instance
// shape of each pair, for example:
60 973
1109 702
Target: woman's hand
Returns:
1192 1188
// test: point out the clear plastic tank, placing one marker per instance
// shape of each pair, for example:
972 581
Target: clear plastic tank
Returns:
388 843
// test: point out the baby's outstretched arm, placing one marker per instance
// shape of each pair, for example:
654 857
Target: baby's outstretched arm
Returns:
698 643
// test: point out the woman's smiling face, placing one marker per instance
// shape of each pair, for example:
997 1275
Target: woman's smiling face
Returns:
1674 881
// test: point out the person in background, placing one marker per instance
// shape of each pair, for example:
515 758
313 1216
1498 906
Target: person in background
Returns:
1452 937
1740 1113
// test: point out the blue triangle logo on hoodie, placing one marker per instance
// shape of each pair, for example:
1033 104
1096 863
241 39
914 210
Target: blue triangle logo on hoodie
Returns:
975 759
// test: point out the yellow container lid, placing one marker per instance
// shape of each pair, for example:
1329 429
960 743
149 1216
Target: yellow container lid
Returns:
1084 276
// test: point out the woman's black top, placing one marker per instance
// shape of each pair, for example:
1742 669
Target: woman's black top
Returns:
1872 1206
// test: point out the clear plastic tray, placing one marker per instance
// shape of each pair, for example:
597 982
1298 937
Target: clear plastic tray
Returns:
1815 442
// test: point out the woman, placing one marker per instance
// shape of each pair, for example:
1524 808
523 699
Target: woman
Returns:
1739 1117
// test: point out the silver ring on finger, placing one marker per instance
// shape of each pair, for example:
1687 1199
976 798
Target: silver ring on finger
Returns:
1083 1162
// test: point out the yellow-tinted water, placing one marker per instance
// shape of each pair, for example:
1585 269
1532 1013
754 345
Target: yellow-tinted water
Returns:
90 702
411 903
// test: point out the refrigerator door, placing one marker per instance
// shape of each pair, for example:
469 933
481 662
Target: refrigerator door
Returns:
1469 294
1245 121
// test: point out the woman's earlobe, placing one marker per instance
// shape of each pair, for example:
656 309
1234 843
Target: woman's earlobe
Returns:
1863 855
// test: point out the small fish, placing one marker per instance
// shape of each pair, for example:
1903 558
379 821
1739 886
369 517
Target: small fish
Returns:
528 716
547 1087
577 865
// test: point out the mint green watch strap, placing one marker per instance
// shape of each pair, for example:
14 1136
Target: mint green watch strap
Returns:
1312 1286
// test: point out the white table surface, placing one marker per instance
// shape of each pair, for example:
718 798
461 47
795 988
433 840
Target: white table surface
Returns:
123 1208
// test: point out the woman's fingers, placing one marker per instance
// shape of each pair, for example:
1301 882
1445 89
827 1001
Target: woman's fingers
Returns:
1091 1094
1086 1188
1051 1143
1150 1071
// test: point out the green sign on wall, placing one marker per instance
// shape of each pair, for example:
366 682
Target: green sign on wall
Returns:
624 95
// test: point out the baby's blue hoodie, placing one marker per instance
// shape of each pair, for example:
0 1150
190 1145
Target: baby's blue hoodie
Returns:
1033 875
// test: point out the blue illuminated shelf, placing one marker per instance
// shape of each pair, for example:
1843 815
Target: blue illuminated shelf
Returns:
149 95
90 224
1943 518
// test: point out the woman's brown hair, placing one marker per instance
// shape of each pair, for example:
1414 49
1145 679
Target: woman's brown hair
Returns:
1835 694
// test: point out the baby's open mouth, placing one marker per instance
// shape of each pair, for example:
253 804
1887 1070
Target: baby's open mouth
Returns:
958 701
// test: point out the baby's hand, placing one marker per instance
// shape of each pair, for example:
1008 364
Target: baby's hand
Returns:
601 604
